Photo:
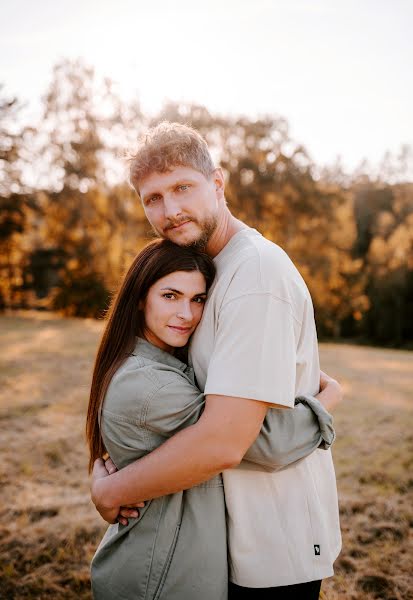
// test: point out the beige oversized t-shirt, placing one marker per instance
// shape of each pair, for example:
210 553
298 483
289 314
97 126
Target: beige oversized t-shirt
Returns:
257 339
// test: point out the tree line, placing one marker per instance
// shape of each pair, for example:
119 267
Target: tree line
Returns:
70 223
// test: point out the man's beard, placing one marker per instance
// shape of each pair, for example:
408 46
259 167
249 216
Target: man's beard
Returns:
207 227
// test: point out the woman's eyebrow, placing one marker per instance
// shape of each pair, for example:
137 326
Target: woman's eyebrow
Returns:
169 289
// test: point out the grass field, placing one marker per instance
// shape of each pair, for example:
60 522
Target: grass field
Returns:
49 528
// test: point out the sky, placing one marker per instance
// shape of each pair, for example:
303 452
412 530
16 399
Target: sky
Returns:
339 72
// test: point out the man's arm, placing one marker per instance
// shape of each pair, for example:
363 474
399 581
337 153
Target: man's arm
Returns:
218 441
285 436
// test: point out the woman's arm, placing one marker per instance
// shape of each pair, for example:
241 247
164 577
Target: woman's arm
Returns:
142 410
289 435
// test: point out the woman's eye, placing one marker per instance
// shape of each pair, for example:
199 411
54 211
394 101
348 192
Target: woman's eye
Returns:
183 187
200 300
169 296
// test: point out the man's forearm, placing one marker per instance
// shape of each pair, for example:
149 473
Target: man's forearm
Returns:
218 441
188 458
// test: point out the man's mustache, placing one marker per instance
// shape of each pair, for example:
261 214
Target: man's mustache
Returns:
171 224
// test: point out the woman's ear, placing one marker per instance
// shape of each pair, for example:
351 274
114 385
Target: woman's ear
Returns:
141 305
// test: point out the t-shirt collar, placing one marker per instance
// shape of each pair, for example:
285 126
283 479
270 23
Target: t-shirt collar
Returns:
232 244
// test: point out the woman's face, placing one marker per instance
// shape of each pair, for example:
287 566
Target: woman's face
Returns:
173 308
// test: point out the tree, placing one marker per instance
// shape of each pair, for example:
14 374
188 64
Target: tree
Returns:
385 244
83 217
14 201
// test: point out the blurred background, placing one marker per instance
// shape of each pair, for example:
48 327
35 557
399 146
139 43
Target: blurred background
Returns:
307 106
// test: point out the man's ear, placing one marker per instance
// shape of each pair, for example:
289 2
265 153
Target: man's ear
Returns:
219 181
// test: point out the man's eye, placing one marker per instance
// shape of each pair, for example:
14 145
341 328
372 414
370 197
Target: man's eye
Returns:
200 300
152 199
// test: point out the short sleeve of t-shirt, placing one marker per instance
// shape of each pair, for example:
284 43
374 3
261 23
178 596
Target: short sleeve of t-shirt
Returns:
254 353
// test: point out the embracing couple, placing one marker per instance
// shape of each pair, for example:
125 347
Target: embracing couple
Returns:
208 398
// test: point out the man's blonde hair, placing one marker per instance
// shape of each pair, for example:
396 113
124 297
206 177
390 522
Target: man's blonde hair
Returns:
166 146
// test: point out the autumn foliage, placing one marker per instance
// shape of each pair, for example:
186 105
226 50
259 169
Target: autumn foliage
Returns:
70 223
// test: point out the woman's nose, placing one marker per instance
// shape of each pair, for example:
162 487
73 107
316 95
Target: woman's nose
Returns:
185 311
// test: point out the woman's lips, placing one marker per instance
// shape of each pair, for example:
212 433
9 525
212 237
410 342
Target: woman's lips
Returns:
180 329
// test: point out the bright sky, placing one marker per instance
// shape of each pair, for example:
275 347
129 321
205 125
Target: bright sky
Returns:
339 71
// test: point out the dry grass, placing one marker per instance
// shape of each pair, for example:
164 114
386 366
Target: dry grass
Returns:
49 528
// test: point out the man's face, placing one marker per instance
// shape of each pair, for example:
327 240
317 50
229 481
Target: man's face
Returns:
182 204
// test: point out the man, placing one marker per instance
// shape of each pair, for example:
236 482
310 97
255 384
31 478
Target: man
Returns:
255 349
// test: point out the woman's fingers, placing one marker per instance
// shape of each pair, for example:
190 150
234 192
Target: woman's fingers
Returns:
325 380
331 392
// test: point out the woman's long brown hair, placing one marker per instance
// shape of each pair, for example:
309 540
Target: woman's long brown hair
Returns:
125 321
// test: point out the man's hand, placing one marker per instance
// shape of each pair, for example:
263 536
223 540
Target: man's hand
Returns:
331 392
109 464
110 514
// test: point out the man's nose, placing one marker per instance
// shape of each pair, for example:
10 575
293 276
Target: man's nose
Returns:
171 207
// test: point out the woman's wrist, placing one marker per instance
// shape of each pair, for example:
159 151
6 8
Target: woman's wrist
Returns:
330 395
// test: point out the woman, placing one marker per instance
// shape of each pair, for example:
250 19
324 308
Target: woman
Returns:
142 393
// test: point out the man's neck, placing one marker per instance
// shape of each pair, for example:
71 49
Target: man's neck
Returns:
227 227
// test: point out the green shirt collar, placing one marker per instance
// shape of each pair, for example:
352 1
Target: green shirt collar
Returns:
148 350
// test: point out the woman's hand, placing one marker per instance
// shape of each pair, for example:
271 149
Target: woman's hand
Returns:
331 392
110 514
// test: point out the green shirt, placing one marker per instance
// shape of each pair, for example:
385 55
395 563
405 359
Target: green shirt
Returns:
177 548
